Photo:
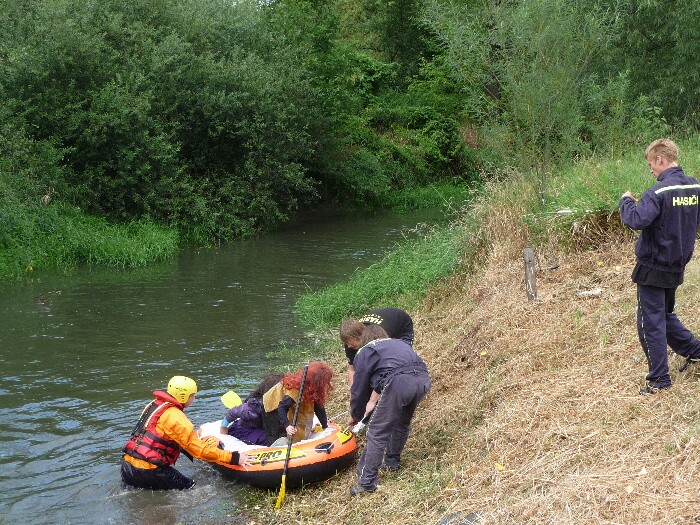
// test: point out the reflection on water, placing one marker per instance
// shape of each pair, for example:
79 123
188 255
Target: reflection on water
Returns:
81 354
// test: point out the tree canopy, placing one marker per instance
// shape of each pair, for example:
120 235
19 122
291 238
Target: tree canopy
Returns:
221 119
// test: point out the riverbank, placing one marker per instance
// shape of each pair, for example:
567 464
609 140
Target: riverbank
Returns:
57 236
535 416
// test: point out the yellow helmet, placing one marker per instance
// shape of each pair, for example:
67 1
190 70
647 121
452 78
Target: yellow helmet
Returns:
181 388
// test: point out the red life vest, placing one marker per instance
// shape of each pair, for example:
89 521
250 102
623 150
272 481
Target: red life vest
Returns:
145 442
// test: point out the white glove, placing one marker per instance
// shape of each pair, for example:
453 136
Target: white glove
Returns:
359 427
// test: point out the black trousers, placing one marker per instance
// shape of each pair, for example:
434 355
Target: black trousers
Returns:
159 478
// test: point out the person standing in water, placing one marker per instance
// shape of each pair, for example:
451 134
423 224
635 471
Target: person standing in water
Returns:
162 431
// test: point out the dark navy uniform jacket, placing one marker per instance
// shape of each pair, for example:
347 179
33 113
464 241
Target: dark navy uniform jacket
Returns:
375 364
668 214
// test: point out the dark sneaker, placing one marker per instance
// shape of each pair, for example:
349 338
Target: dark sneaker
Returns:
651 390
356 490
389 468
688 362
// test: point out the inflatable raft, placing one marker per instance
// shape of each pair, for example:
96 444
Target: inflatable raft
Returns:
315 459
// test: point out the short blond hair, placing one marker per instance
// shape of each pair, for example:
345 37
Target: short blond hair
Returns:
664 148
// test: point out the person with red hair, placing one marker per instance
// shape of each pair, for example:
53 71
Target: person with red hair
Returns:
279 404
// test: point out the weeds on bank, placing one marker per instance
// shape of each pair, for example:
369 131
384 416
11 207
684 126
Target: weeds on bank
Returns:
60 236
442 195
534 415
580 203
578 212
406 271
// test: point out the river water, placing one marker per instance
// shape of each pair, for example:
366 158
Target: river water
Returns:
81 354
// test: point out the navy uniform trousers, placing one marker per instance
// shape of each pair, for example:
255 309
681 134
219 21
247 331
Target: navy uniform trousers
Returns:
390 424
658 326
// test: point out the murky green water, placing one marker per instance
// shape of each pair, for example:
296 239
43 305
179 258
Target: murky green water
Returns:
81 354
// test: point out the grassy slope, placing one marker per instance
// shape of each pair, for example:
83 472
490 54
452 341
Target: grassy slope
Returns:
534 415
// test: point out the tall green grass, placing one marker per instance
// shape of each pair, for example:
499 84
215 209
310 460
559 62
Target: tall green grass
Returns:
590 189
404 274
586 190
437 195
597 184
58 236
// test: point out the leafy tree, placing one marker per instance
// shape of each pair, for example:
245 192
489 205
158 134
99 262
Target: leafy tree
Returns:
391 30
529 67
196 114
660 44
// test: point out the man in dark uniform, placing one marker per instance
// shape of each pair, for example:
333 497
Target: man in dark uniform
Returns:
668 215
390 369
395 322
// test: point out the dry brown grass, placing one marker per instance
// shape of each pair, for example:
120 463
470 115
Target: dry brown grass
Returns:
534 416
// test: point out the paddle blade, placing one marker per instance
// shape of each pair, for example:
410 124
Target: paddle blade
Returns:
230 399
280 497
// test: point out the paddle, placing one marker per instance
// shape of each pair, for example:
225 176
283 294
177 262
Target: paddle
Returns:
230 399
280 497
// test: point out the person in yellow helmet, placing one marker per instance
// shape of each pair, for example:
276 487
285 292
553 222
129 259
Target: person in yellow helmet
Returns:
162 431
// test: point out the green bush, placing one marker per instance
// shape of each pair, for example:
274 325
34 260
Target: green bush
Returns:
172 111
40 230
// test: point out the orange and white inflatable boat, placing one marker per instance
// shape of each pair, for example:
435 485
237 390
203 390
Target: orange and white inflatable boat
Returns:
312 460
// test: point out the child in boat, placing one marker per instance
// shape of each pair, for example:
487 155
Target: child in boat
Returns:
279 403
244 421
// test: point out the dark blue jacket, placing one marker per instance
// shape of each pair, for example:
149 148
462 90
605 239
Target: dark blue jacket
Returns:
375 365
248 414
668 214
396 323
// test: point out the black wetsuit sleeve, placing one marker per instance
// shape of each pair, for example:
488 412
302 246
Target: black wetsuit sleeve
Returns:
350 353
283 409
320 412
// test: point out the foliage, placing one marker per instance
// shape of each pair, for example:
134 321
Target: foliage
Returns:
661 43
223 119
405 139
582 203
463 31
405 272
446 195
615 123
195 115
390 30
39 231
545 48
551 81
